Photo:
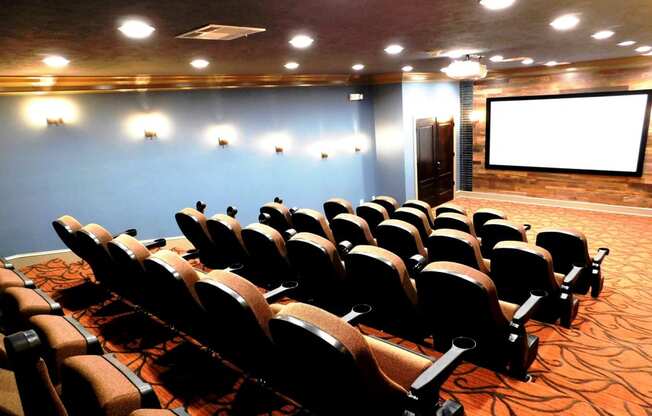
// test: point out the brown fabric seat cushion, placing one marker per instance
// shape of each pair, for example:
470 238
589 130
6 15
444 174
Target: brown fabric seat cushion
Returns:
400 365
10 404
28 302
9 279
61 337
112 392
509 309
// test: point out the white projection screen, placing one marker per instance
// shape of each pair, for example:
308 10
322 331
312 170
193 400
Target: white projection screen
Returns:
603 133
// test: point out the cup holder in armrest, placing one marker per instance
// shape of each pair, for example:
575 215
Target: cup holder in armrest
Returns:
464 343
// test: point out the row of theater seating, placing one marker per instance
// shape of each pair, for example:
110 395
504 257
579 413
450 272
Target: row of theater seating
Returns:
182 278
52 366
313 258
274 342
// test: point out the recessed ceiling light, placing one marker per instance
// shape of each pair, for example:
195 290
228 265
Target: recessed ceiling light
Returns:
565 22
527 61
603 34
496 58
407 68
136 29
358 67
394 49
627 43
301 41
551 63
199 63
496 4
55 61
643 49
291 65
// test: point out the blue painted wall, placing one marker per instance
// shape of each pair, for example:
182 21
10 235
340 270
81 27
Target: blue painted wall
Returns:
98 170
390 143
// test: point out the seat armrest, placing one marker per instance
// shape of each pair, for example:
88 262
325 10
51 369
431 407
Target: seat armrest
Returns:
231 211
158 243
277 293
6 263
344 247
180 411
527 227
415 264
235 268
569 281
426 387
525 312
289 233
356 312
602 253
131 231
293 210
191 255
200 206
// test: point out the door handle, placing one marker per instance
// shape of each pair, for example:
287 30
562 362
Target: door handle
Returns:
438 164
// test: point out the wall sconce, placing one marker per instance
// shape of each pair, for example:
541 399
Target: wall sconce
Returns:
150 134
278 149
222 142
324 155
357 148
54 121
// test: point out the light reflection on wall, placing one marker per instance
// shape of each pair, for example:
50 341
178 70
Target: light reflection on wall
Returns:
37 111
227 132
137 124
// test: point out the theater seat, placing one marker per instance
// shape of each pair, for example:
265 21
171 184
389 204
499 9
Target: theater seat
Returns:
401 238
457 300
450 207
277 216
160 412
379 278
389 203
128 256
518 268
351 228
193 225
453 221
457 247
92 241
269 258
337 370
13 278
481 216
336 206
226 233
66 228
415 217
172 284
495 231
18 304
373 214
321 273
423 207
307 220
91 384
241 314
569 248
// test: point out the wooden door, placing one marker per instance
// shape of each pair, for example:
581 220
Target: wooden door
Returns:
435 160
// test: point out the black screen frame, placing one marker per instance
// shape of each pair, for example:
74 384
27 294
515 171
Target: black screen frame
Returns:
644 134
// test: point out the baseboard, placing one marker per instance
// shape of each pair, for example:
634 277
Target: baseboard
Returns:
28 259
587 206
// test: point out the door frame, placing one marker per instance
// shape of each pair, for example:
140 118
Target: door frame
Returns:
413 136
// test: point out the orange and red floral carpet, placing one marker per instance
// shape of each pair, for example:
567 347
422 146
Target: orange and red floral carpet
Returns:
601 366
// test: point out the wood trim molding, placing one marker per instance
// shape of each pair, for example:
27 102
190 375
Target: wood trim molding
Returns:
604 64
15 85
588 206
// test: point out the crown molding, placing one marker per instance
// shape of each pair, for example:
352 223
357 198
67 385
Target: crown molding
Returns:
631 62
106 84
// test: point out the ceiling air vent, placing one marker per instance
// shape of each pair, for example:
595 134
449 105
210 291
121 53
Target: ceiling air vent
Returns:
220 32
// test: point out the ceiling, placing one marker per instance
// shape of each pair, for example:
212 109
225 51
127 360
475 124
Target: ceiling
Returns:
345 32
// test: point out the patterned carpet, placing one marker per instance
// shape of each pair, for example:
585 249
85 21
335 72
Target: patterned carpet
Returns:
601 366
